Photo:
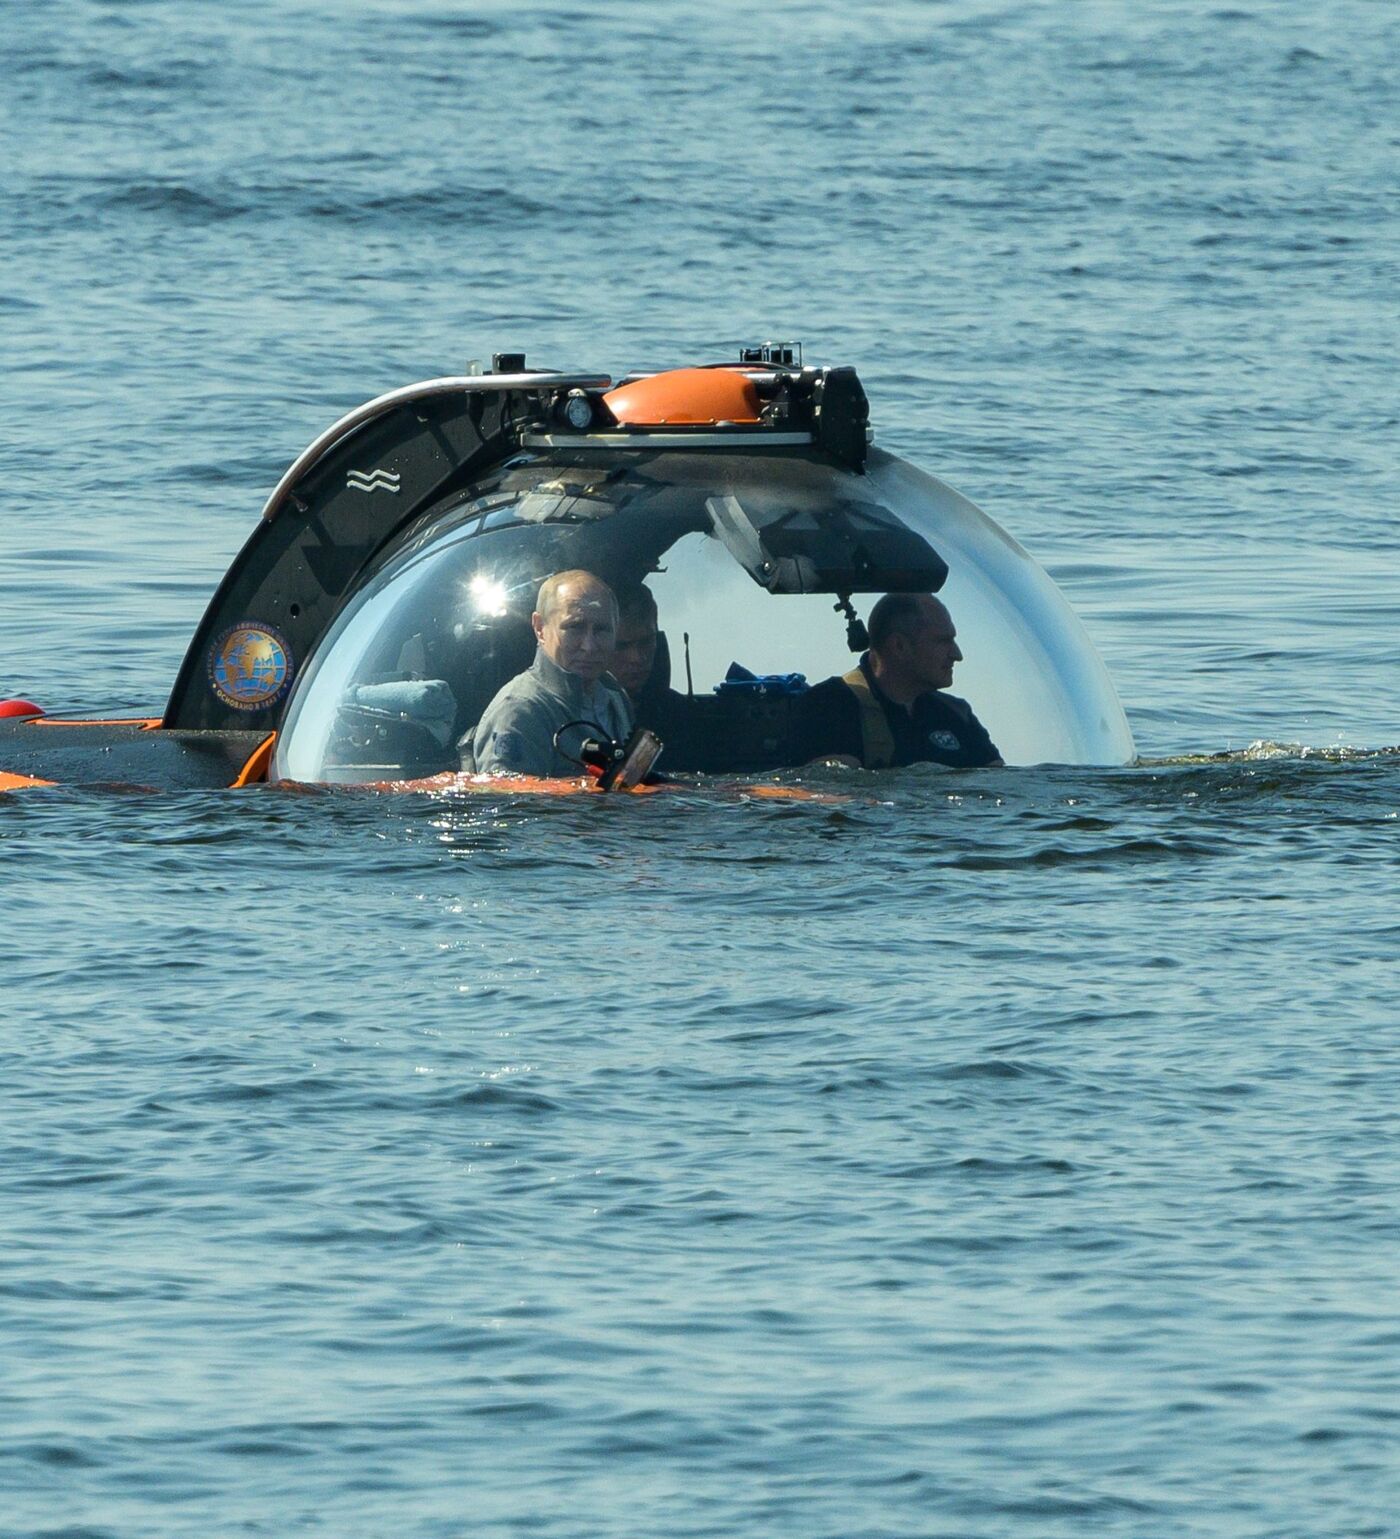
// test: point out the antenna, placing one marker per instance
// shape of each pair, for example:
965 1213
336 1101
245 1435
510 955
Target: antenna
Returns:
689 682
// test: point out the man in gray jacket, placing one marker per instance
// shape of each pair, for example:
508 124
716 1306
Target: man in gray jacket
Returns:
575 622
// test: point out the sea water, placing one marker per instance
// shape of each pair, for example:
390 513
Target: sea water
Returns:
1003 1154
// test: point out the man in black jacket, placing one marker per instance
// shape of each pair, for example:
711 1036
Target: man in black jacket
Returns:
643 669
891 710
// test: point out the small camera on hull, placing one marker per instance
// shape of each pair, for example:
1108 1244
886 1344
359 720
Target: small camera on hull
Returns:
779 355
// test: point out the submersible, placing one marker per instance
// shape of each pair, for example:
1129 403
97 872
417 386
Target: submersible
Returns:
384 596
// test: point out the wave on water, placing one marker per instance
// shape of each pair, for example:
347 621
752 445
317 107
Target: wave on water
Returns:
212 202
1264 751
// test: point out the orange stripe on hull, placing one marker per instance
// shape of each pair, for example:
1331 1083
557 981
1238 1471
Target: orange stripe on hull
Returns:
21 782
254 771
150 723
453 783
524 785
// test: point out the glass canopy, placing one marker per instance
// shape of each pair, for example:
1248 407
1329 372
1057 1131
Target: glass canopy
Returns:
744 554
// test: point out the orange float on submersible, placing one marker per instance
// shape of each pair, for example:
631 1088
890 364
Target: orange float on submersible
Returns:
686 398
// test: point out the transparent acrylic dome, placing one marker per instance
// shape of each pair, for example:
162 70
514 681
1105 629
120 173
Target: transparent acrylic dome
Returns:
412 660
1030 670
383 697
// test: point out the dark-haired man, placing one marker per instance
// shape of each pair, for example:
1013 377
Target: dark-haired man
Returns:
891 710
646 678
634 647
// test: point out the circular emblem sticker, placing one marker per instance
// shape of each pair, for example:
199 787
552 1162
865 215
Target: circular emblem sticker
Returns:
250 666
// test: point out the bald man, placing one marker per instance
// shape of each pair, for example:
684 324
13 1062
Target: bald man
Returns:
575 624
891 709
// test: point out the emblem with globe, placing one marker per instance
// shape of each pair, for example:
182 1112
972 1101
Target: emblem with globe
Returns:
249 667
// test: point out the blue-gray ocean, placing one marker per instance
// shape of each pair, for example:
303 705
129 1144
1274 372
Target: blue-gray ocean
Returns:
1008 1155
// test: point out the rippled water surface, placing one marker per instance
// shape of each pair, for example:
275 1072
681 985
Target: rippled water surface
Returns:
1002 1154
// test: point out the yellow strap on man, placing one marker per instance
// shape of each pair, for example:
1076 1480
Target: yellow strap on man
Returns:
877 741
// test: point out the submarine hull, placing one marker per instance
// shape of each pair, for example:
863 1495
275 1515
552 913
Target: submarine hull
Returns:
385 596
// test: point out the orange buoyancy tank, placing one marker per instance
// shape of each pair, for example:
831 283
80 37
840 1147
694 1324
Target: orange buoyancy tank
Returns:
686 397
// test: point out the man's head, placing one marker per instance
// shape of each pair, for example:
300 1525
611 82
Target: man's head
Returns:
913 645
634 653
575 621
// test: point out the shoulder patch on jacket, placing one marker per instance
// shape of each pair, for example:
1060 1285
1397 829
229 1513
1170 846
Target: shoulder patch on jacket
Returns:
507 748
